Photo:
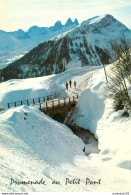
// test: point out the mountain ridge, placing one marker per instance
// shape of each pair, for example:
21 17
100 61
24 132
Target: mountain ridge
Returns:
16 43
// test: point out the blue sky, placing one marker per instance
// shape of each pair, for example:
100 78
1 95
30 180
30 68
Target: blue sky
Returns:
16 14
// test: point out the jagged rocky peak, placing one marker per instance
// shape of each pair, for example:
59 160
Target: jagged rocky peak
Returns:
69 22
76 22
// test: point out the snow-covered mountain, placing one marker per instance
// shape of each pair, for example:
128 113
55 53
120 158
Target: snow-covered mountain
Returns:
87 44
15 44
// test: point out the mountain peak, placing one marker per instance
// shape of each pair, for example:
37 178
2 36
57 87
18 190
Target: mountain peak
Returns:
33 28
104 20
68 22
76 22
58 24
20 31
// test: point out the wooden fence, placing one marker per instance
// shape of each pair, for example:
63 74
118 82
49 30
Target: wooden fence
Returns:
45 103
30 101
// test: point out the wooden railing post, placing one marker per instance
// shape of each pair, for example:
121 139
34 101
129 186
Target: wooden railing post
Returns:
28 102
40 106
53 104
59 102
46 105
69 100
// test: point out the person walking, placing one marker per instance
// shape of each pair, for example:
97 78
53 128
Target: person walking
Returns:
70 82
66 85
75 84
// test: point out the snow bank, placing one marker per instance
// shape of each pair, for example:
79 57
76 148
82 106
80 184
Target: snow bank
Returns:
31 141
95 112
23 89
91 103
43 135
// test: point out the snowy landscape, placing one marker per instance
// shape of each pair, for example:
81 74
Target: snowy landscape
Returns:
40 154
40 147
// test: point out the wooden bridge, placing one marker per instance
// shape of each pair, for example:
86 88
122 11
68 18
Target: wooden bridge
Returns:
55 108
49 105
58 109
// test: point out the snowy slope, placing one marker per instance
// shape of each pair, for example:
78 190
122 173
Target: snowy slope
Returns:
32 147
14 45
25 131
87 44
23 89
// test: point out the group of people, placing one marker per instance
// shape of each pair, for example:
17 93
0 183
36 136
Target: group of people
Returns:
70 84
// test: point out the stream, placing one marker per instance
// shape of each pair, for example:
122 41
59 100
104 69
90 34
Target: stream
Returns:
91 143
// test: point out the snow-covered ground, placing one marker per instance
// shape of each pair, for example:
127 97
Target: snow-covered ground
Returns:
23 89
34 146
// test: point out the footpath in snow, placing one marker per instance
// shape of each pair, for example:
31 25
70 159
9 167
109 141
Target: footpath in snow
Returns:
34 146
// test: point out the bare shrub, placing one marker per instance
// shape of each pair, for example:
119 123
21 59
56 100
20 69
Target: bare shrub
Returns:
119 78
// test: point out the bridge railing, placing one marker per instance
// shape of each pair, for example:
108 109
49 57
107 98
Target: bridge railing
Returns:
57 102
46 102
29 102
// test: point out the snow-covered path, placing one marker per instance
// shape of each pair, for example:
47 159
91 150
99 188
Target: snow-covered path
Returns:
82 82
